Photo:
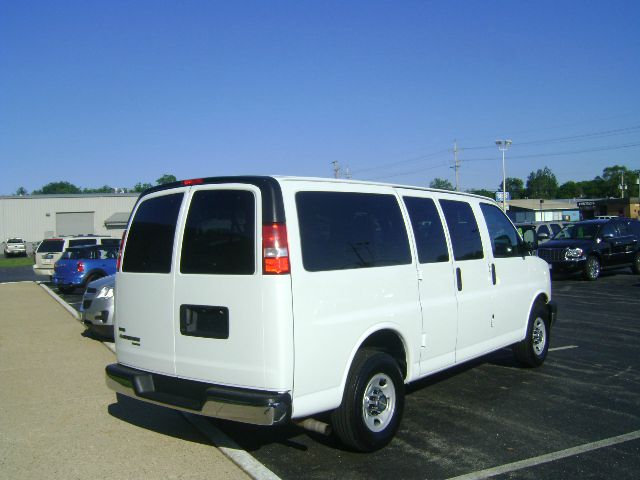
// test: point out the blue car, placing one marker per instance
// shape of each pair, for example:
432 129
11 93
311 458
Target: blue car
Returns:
80 266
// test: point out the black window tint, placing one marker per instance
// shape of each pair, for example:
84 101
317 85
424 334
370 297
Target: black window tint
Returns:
49 246
623 229
351 230
608 229
110 241
427 229
504 238
150 238
463 229
219 237
555 228
82 241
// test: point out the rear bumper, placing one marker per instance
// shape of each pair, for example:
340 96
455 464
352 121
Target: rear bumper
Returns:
44 271
228 403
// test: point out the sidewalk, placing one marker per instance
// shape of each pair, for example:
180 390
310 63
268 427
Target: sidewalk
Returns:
58 420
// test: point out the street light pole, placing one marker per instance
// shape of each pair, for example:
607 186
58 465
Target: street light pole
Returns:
503 146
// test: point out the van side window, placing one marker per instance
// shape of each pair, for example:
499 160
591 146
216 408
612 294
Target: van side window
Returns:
351 230
504 237
219 236
427 230
463 229
150 238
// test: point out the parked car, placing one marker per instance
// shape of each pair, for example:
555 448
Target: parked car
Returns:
50 250
544 230
15 247
269 299
590 246
80 266
97 306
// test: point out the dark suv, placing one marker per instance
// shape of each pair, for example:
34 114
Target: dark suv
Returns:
590 246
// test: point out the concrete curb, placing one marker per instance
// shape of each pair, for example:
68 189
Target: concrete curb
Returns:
74 313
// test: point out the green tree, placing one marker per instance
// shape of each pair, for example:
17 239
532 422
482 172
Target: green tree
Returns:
21 192
514 186
140 187
484 192
441 183
166 178
103 189
542 184
57 188
569 189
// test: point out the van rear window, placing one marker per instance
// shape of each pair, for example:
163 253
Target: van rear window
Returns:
351 230
51 246
150 239
220 233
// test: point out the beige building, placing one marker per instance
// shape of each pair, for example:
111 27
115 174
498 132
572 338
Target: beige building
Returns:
35 217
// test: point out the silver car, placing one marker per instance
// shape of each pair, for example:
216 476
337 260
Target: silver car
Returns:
97 306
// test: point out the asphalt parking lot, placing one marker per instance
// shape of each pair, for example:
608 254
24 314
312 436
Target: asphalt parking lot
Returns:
578 416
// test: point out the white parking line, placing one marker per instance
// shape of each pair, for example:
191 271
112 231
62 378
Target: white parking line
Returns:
549 457
568 347
232 451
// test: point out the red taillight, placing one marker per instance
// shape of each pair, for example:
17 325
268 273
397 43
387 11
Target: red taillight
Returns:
119 259
192 181
275 249
80 267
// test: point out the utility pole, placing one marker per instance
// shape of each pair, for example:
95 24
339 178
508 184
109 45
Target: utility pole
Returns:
503 146
336 169
347 173
622 186
456 164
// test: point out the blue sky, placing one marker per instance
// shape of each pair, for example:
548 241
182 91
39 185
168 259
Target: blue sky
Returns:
122 92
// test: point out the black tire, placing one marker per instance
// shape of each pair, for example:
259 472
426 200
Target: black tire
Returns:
532 351
592 268
363 424
635 268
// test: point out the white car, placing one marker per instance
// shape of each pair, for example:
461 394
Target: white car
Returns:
273 299
15 247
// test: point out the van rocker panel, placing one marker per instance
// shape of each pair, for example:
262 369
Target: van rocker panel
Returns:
218 401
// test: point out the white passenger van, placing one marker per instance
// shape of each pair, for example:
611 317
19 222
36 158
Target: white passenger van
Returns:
272 299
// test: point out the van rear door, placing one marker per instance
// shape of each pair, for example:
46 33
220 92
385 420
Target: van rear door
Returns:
144 286
223 303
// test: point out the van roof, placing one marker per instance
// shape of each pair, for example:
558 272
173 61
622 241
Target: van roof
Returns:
256 179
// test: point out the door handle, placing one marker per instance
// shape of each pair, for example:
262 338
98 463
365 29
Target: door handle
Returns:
493 273
459 278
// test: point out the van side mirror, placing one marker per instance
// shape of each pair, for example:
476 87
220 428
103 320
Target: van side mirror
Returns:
543 236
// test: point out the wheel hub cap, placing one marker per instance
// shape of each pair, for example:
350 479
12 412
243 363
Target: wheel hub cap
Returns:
539 335
378 402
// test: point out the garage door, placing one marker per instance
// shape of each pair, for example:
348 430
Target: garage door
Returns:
74 223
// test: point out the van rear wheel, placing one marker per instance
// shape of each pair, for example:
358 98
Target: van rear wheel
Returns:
532 351
372 404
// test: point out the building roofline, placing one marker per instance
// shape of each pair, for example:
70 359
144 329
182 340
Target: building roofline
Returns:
71 195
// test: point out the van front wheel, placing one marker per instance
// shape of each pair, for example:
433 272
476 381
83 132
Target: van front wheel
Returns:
372 403
532 351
